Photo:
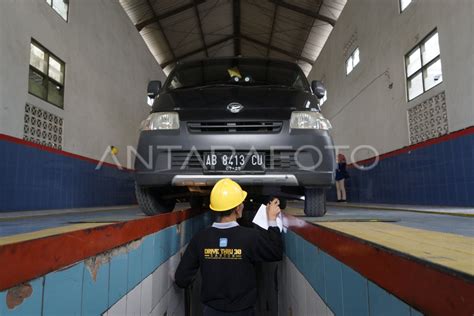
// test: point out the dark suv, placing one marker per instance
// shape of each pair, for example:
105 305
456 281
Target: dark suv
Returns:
254 120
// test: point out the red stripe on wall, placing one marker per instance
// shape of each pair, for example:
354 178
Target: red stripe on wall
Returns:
20 141
27 260
429 142
427 287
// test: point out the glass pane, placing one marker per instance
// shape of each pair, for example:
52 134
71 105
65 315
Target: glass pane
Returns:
61 6
37 84
430 49
349 65
433 75
413 61
38 58
404 4
55 93
415 86
356 57
56 69
48 1
243 73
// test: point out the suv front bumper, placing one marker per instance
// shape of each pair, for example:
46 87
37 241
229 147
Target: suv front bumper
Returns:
162 154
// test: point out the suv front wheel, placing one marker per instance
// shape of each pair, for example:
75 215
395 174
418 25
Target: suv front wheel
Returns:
314 202
150 201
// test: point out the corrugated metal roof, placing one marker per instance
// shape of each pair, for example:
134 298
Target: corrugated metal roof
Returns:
175 30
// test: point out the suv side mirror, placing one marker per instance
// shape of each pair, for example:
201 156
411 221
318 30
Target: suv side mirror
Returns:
318 89
154 88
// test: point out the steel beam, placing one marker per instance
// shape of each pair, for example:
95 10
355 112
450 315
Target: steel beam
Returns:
218 42
277 49
165 15
272 29
196 11
236 22
304 11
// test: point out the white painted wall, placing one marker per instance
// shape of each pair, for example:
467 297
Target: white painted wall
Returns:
361 106
156 295
296 296
108 67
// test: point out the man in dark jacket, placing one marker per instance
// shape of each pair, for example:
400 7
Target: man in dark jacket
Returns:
227 253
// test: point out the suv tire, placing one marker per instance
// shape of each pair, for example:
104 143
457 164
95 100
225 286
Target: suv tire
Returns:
150 203
314 202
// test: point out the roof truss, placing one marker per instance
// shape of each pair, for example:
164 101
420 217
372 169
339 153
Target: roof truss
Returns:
237 36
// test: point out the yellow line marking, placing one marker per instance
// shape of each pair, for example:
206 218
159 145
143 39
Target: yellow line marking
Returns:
47 232
453 251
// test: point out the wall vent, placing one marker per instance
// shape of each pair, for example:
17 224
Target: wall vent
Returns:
428 119
43 127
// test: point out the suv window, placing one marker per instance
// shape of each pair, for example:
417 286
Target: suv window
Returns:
237 72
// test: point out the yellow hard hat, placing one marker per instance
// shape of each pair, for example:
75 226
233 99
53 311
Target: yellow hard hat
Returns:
226 194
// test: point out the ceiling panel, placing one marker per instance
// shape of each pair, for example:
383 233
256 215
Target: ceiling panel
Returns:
222 50
253 50
257 19
292 29
137 10
216 19
162 6
182 31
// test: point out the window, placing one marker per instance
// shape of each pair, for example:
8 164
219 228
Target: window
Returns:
46 77
60 6
352 61
404 4
423 66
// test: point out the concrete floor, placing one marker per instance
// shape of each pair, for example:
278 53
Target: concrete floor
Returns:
459 225
25 222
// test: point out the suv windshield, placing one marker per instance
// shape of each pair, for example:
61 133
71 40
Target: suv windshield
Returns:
242 72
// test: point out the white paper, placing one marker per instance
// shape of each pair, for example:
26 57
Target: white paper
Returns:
261 218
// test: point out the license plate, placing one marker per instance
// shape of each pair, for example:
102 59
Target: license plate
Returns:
237 162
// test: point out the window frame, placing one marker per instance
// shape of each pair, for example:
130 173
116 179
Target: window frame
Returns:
404 9
423 67
46 75
351 57
51 5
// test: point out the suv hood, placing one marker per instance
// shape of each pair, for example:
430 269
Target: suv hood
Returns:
211 103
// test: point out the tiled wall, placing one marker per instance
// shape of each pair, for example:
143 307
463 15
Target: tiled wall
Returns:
156 295
314 283
33 179
297 296
438 174
131 280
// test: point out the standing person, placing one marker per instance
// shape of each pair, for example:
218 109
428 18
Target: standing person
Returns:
341 176
226 254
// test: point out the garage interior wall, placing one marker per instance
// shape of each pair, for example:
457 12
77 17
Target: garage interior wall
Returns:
107 68
369 106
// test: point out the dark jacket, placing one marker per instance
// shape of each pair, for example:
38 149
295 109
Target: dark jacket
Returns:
341 171
227 259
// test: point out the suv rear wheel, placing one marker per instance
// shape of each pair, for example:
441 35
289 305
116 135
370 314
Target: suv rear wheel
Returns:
314 202
150 202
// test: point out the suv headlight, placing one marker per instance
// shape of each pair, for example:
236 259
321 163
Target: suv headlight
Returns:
309 120
160 121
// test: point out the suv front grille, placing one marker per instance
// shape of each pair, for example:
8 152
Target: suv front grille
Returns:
235 127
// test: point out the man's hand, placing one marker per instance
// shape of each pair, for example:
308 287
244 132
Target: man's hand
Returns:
273 209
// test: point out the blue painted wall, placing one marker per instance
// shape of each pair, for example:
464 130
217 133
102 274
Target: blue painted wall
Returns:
439 174
34 179
73 291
